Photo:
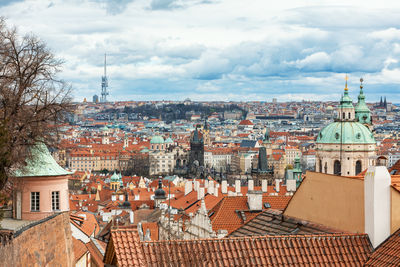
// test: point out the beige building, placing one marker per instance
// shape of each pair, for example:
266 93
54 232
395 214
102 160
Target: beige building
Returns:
347 146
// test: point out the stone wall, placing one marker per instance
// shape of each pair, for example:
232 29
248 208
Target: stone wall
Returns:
44 243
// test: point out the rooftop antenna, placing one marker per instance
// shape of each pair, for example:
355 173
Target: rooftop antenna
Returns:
104 82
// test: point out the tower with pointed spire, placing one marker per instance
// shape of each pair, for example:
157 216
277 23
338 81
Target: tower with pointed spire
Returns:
196 149
104 83
363 114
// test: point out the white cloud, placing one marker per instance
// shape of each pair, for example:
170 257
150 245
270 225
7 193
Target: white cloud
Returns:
170 47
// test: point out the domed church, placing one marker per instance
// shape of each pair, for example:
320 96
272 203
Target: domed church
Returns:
347 146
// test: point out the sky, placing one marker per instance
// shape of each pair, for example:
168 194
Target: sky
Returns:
219 50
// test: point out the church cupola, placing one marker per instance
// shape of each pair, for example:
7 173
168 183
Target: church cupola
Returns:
346 109
363 114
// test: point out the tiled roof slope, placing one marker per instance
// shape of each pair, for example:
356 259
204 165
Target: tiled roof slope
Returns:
126 245
291 250
388 253
395 169
272 222
233 211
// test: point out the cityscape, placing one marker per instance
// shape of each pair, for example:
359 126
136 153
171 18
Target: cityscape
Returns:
153 133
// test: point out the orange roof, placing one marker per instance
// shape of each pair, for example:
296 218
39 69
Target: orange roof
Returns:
152 227
79 248
387 253
226 214
126 249
246 122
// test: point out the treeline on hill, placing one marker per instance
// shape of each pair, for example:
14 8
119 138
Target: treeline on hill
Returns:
171 112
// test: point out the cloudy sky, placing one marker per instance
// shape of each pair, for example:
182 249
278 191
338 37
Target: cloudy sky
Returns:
219 49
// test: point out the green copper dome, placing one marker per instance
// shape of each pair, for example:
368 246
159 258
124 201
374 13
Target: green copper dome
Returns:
42 163
157 140
353 133
169 141
114 177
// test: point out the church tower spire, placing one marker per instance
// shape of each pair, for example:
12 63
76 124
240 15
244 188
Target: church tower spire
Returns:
363 114
346 108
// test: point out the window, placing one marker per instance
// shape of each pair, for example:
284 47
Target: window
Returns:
337 169
35 201
55 200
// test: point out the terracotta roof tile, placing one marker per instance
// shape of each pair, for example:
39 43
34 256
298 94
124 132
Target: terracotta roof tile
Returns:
387 253
79 248
289 250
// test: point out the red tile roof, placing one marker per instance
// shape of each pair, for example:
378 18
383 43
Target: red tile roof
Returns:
79 248
387 253
125 249
226 214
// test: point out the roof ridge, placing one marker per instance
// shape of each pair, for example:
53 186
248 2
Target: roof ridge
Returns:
306 236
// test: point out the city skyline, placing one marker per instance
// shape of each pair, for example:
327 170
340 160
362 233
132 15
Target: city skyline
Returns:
219 50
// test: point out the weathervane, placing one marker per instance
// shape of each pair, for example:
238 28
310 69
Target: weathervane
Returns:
361 81
346 78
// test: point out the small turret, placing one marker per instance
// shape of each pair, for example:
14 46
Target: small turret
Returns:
346 108
363 114
159 194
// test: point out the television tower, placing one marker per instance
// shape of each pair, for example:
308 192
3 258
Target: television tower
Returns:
104 83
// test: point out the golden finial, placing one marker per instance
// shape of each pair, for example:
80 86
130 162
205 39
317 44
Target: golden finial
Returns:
361 81
345 88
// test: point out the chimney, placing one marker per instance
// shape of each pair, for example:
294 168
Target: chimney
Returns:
210 189
216 190
224 187
188 187
254 199
377 204
251 185
237 186
277 183
205 183
196 185
131 217
200 193
291 185
264 186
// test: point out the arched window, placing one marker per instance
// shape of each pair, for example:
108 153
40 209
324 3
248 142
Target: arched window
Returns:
349 115
337 168
358 167
344 115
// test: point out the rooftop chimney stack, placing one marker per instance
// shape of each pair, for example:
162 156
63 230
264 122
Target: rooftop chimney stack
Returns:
200 193
210 189
264 186
237 186
216 190
254 199
377 183
196 185
188 187
291 185
224 187
277 184
251 185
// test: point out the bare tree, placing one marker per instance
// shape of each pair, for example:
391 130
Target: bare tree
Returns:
32 99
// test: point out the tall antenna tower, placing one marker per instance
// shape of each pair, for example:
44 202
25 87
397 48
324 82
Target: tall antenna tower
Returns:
104 82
